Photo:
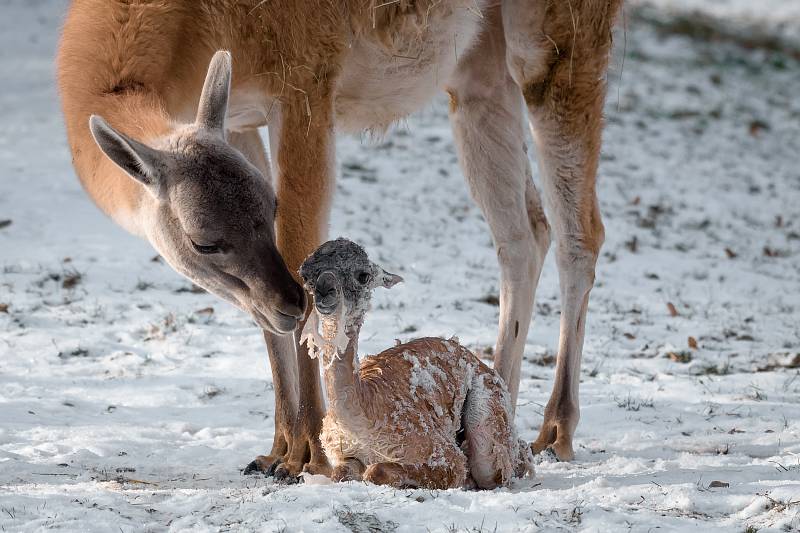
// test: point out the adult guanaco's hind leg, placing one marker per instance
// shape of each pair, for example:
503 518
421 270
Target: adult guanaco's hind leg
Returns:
553 55
558 56
486 114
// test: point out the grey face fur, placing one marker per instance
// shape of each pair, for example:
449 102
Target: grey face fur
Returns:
211 212
339 273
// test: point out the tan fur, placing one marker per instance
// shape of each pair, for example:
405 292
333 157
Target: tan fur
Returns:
309 68
427 413
387 425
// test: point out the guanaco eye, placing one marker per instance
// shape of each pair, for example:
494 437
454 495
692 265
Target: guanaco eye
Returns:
364 278
206 249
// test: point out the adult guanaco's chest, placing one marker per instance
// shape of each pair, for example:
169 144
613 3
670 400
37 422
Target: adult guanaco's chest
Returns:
387 73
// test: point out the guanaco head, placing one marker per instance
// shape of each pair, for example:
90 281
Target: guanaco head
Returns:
341 277
213 213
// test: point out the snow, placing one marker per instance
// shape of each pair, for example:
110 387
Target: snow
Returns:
765 20
128 402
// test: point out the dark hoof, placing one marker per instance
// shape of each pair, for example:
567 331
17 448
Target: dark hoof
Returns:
273 467
282 475
252 468
255 468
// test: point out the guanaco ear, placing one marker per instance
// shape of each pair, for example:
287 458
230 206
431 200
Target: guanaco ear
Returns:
214 98
389 280
138 160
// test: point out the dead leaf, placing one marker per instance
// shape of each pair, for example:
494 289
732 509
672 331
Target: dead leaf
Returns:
205 311
71 280
629 336
719 484
730 253
692 343
680 357
491 299
757 126
3 308
5 223
673 311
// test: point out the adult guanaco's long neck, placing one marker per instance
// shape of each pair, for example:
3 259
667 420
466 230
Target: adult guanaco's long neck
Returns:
140 65
123 199
133 65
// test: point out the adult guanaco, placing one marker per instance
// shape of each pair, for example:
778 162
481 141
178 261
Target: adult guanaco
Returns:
169 149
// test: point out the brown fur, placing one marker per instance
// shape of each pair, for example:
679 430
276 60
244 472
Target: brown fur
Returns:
396 417
387 428
140 65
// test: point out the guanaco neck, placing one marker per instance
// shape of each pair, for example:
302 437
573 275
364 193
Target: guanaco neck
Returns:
341 376
136 113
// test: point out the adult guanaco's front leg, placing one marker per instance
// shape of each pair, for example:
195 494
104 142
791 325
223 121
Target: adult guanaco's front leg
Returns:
304 157
486 114
280 348
558 54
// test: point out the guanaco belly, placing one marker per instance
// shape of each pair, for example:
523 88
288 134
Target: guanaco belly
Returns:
386 79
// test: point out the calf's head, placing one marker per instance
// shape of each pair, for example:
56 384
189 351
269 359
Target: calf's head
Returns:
341 278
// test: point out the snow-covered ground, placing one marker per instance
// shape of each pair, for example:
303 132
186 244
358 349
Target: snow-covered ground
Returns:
129 402
772 22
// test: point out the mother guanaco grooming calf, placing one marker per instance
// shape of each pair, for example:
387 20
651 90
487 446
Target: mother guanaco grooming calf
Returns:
426 413
177 157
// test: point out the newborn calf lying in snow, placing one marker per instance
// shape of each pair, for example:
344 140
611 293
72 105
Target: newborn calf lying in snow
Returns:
427 413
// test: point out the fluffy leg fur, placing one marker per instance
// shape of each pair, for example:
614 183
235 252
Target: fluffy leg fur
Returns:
348 470
451 474
489 438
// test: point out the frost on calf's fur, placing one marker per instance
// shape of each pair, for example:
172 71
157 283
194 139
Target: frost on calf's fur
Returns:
398 412
316 343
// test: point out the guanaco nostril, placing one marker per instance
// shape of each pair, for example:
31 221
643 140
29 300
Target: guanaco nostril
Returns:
325 286
325 295
325 292
295 302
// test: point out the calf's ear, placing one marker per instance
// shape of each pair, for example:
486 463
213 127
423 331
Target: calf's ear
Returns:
389 280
